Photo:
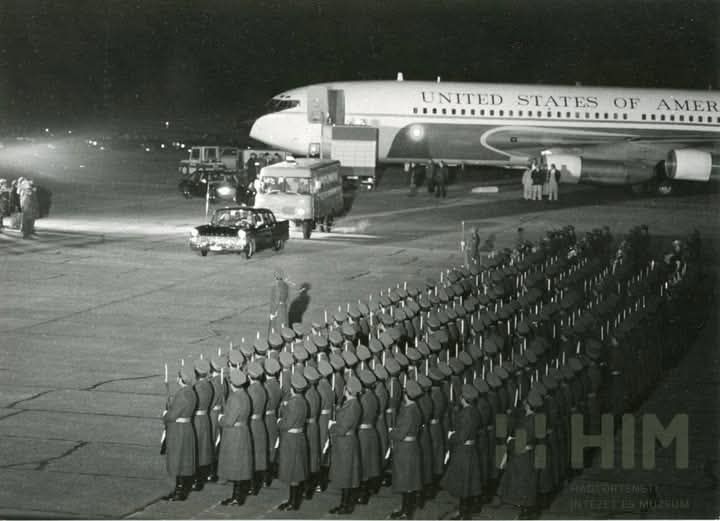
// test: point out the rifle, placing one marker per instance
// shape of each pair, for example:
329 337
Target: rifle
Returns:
163 440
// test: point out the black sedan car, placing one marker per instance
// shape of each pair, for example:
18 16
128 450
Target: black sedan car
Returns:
222 186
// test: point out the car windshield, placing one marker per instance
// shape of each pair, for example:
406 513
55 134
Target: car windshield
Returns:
292 185
231 217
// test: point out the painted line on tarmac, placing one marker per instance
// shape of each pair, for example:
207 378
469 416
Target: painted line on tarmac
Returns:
436 206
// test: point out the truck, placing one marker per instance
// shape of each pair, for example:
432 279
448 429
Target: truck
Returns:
213 157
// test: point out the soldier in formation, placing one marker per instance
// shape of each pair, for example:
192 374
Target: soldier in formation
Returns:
449 385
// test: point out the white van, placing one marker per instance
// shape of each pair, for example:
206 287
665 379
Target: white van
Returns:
305 191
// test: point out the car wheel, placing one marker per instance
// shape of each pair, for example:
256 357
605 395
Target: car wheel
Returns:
307 229
203 252
279 245
250 249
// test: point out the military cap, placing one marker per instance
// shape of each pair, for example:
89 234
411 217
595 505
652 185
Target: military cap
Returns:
286 359
424 382
481 385
363 353
375 346
593 348
465 358
443 317
254 369
335 338
246 349
483 299
567 372
318 321
413 390
300 330
493 380
509 366
531 356
392 366
202 367
386 340
413 354
423 349
469 393
501 372
261 345
394 333
549 382
445 369
272 366
412 308
394 296
363 309
575 364
237 378
474 351
340 316
275 340
311 374
349 358
402 360
436 375
353 385
458 289
187 375
385 301
478 326
451 314
236 357
450 292
367 377
218 362
381 373
490 345
349 330
325 368
523 328
443 337
433 321
534 398
521 361
309 346
353 312
320 342
287 334
399 314
457 366
299 353
424 303
460 311
434 343
442 295
298 382
386 320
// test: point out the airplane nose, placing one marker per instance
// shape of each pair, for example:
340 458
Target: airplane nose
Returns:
261 130
285 131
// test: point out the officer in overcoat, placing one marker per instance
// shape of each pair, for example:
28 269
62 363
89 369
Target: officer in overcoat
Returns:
462 478
383 396
327 408
312 430
235 459
274 396
217 363
345 460
368 437
201 423
437 433
292 457
258 431
180 435
407 466
278 303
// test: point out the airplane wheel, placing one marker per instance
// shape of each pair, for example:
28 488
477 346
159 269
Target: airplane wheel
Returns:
279 245
307 229
250 249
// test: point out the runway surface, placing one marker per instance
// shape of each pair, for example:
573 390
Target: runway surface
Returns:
108 291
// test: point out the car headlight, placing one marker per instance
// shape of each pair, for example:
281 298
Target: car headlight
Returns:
241 234
194 233
300 211
224 191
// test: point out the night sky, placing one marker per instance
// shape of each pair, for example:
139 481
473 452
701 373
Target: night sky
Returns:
76 60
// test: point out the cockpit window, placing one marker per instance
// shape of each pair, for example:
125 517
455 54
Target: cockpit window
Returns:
278 104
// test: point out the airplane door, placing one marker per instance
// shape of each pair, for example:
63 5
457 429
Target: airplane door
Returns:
317 104
336 107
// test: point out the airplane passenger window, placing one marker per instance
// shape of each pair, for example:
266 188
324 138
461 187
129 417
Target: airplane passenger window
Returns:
672 117
462 112
681 118
452 112
539 114
606 115
559 114
434 111
472 112
700 119
510 113
424 110
691 119
567 115
414 110
587 115
549 114
662 117
577 115
444 111
520 113
615 115
597 115
492 112
500 113
482 112
644 117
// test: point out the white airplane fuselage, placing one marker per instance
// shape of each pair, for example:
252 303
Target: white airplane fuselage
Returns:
622 131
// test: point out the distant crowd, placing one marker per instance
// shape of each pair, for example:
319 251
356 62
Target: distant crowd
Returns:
19 205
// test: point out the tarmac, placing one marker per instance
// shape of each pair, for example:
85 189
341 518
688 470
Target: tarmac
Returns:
108 291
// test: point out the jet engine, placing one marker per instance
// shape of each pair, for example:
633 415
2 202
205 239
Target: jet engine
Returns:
691 165
576 169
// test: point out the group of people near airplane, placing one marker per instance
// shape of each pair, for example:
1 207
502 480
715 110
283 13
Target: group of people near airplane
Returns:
430 387
541 181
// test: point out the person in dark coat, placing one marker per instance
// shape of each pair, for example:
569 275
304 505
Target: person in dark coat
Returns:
407 466
278 303
312 430
327 408
437 433
462 478
425 404
201 423
345 457
217 364
430 175
381 392
441 179
258 400
235 456
274 396
368 437
292 456
180 435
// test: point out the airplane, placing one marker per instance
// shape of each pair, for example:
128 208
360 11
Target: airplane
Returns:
603 135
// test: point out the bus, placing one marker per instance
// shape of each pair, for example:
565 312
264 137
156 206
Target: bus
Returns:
305 191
